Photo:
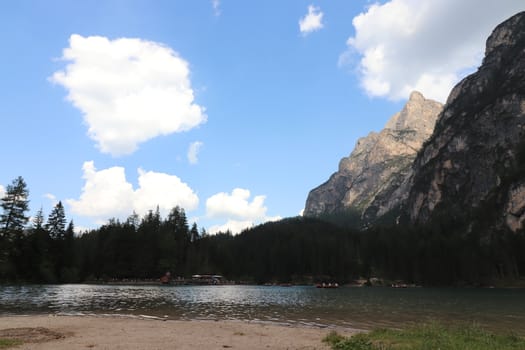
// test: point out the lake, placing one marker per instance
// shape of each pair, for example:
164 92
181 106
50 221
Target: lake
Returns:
358 308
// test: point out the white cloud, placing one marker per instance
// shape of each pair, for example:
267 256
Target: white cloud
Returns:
107 193
80 230
52 198
129 90
216 4
193 152
164 190
2 191
234 226
407 45
237 226
238 210
236 205
312 21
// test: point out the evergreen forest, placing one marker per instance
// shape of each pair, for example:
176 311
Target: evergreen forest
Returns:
46 249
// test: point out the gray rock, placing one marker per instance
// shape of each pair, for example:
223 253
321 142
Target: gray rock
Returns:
470 161
370 180
470 169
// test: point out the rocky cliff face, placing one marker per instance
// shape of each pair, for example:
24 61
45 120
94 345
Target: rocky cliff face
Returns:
472 158
372 179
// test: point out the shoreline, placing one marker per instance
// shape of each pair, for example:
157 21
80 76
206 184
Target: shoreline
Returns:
289 323
513 284
110 332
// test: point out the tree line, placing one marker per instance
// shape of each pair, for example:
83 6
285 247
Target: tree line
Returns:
293 250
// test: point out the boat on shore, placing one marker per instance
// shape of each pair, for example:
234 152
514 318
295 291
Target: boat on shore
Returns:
327 285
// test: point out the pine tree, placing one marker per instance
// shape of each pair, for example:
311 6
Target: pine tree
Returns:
70 231
68 272
56 222
133 220
177 218
194 233
38 220
15 204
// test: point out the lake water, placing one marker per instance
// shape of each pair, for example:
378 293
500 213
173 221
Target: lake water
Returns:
359 308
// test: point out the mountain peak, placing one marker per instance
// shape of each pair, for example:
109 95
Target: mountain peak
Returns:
418 114
464 170
506 36
416 96
471 163
368 179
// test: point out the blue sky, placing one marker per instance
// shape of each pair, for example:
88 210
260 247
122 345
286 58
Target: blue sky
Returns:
102 101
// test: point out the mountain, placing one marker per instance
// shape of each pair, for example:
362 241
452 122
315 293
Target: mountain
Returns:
371 179
473 166
469 169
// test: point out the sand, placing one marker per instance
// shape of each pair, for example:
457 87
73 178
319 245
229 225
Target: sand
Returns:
92 332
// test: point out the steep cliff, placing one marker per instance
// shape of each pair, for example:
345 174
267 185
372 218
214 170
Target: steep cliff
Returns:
370 179
471 164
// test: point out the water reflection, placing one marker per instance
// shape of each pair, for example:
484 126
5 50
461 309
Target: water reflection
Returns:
498 309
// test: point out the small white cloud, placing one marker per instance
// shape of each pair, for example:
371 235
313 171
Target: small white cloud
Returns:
236 205
129 90
107 193
406 45
193 152
2 191
79 230
52 198
234 226
312 21
238 210
237 226
216 4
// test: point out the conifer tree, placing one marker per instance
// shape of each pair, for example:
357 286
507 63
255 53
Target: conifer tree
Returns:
38 220
133 220
194 233
70 231
14 204
177 218
56 222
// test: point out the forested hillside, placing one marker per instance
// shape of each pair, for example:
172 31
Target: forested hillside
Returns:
296 250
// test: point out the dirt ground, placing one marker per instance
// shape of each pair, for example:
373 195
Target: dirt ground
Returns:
71 332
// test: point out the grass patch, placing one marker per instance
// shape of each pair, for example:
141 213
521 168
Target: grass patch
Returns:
427 337
8 343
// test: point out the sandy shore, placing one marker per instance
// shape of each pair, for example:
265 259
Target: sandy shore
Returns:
69 332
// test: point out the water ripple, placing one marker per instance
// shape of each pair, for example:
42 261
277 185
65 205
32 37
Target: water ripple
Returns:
499 309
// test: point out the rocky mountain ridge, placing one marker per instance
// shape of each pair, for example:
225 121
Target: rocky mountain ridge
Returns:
471 168
367 180
472 163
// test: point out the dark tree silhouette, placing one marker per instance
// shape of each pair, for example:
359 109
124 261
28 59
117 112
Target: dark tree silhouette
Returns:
15 204
56 222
